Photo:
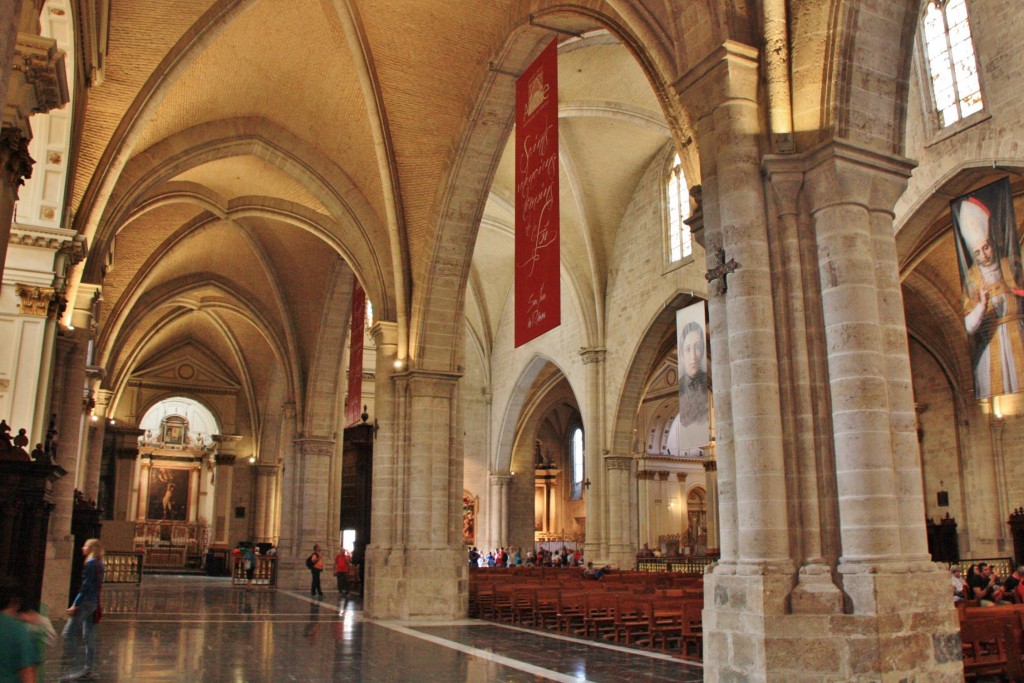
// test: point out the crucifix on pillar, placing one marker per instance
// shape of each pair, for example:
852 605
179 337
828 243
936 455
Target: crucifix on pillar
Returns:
721 270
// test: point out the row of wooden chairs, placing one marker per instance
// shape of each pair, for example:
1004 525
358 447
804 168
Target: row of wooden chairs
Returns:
632 613
993 641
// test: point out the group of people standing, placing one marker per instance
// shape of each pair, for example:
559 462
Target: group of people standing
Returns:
514 557
344 569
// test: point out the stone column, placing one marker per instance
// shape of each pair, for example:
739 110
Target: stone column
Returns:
851 192
723 92
752 581
497 511
684 508
71 408
416 562
596 497
711 483
288 530
224 479
266 501
126 453
94 449
621 552
645 503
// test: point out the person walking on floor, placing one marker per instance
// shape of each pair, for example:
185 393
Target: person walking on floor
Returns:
84 611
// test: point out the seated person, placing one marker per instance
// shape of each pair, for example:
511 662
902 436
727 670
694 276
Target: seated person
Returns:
645 551
959 585
596 574
984 586
1013 588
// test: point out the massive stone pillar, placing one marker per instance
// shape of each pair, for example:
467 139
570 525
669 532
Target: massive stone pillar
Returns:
824 572
416 561
851 192
754 577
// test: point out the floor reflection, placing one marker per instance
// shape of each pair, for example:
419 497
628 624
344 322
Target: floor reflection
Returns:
201 629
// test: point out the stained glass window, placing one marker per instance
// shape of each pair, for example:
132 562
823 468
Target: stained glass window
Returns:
952 66
680 244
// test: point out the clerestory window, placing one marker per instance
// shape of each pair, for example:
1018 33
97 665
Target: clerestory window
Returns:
680 244
952 66
576 445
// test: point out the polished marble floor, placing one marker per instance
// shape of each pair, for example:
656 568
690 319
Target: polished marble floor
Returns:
202 629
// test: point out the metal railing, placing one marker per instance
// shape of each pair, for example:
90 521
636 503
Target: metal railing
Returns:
683 565
120 567
264 574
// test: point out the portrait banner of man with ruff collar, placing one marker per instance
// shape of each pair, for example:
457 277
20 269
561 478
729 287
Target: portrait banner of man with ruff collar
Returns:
988 253
694 418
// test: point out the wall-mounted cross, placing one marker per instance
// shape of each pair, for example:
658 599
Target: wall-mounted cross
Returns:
721 270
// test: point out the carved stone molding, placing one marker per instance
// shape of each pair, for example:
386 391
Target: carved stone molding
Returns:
34 300
226 459
41 65
710 465
681 477
14 157
323 448
663 475
592 355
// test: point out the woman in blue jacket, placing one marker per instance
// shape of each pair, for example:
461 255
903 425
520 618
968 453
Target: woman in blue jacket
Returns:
83 610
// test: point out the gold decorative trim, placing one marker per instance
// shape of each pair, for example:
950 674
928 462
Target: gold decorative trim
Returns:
34 300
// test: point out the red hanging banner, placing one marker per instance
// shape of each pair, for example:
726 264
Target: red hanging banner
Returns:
537 293
354 398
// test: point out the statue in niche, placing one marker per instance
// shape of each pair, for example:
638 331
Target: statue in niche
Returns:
541 462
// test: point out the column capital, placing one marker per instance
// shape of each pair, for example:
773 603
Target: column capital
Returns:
34 301
592 354
267 469
727 73
839 171
225 445
315 446
710 465
430 382
681 477
499 479
385 334
617 462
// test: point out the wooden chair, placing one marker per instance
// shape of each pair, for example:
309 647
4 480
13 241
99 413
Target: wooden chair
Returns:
984 646
633 617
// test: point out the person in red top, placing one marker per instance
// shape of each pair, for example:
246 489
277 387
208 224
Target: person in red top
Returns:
341 570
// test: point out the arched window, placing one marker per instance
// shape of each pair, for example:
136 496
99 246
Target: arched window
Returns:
576 447
952 66
678 196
